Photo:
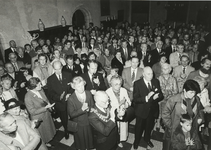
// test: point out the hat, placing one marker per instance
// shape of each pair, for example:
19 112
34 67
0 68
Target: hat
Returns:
11 103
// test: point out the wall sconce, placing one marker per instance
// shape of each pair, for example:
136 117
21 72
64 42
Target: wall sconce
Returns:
41 25
63 21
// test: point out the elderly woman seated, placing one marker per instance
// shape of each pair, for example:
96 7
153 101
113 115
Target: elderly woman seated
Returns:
119 97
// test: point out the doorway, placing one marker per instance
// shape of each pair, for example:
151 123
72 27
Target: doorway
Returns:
78 19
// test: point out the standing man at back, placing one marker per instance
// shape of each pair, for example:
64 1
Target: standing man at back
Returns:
59 90
12 49
130 75
146 95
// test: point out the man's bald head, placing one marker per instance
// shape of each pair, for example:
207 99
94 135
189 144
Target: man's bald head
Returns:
57 66
101 99
148 73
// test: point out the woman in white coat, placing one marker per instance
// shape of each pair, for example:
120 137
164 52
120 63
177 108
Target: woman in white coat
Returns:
119 99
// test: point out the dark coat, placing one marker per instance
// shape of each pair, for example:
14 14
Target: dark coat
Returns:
143 108
178 140
105 133
56 88
89 86
77 71
115 63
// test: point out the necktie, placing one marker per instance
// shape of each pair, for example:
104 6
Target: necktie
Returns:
60 78
174 49
158 50
93 81
180 55
193 57
126 54
183 70
15 66
149 87
189 108
133 75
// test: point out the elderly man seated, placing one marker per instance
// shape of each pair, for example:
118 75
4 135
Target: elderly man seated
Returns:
102 119
17 135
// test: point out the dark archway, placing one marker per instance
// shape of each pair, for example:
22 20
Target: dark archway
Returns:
78 19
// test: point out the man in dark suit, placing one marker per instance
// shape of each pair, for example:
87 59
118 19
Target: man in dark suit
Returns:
72 68
201 44
104 126
125 50
131 43
16 63
18 81
155 53
171 49
10 50
59 90
144 56
146 95
94 80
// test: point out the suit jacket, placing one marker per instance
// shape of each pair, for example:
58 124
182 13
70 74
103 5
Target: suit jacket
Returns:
20 65
26 59
112 50
56 88
7 52
193 56
105 133
128 52
26 133
128 83
201 45
146 60
155 56
77 71
178 71
92 86
115 63
140 91
168 52
19 78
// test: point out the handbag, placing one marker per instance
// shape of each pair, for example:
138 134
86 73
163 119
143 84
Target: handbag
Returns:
129 114
72 126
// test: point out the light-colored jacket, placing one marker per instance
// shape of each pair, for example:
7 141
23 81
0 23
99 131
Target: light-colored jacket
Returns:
127 77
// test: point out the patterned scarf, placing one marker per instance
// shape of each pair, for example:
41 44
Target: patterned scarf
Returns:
184 106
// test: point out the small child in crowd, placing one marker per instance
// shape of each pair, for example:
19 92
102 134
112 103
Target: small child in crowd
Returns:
184 138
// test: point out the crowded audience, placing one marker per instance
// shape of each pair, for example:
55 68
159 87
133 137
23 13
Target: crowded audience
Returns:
93 76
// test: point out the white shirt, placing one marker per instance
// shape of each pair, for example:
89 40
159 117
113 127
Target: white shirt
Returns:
59 76
19 139
12 75
146 82
135 71
90 76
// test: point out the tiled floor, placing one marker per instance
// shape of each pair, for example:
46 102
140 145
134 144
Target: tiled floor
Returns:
61 144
